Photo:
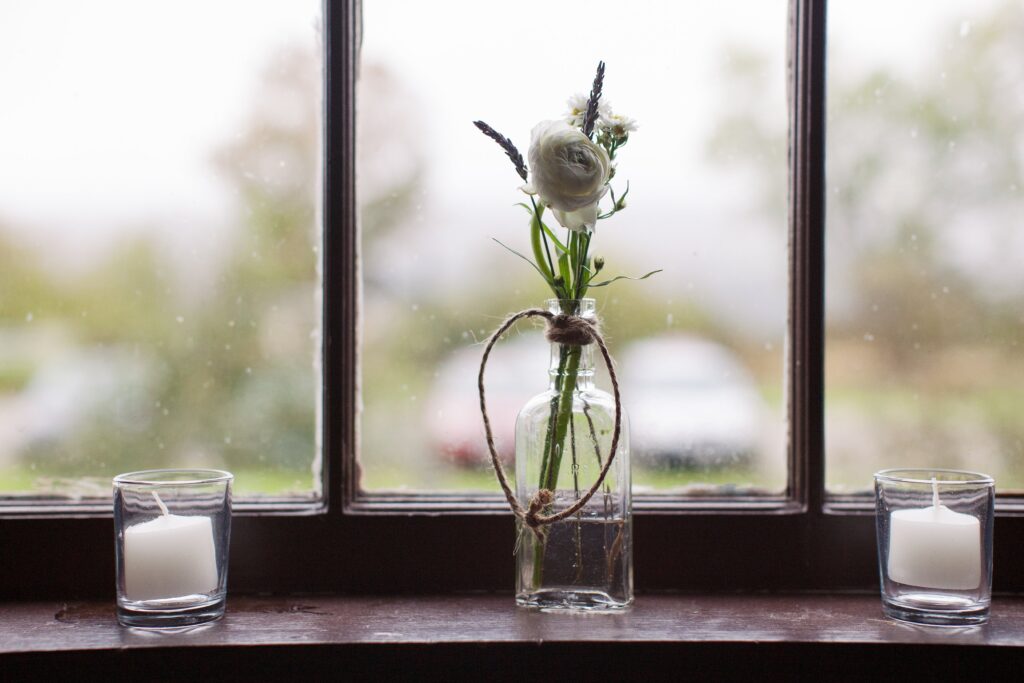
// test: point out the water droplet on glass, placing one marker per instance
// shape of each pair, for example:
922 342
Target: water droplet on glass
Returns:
180 319
28 318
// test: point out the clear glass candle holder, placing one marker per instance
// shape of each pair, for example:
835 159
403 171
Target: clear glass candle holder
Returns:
935 545
172 531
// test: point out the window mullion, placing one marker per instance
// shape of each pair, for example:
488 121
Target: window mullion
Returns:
807 221
341 277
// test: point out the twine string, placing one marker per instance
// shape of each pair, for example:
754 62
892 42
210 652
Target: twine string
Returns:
561 329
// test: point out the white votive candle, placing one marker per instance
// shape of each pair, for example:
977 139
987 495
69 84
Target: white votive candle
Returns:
169 557
935 547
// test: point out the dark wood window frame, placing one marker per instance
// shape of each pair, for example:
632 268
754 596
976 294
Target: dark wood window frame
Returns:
359 543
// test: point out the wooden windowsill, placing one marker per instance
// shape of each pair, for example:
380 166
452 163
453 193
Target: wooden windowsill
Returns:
485 636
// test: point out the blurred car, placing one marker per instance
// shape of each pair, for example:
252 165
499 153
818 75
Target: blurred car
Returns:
691 403
516 371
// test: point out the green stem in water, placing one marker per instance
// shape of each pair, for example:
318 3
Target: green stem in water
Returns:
558 425
572 367
578 532
549 436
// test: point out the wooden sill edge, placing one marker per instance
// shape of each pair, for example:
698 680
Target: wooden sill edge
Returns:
339 621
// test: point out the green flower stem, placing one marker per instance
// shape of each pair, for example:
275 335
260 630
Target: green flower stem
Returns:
535 243
572 366
565 384
537 230
582 280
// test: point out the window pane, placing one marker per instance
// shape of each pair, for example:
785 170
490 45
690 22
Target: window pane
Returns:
700 346
159 242
925 289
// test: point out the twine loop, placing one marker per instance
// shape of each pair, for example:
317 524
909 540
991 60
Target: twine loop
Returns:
561 329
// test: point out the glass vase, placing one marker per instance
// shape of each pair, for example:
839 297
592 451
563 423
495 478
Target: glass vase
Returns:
563 436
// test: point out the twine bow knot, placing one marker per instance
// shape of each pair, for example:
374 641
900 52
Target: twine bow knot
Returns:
571 330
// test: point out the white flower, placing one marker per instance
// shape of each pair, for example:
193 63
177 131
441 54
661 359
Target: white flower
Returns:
616 124
569 172
578 109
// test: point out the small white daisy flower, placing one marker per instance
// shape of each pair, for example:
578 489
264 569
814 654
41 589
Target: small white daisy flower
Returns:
577 110
617 124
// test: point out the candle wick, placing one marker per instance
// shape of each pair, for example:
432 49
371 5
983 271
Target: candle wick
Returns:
163 508
935 494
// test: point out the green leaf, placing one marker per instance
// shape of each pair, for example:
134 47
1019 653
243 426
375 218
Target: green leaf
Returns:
558 245
564 270
624 277
622 198
617 204
535 267
538 253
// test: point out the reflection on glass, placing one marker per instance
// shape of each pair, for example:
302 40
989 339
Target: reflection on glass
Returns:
158 243
925 290
699 346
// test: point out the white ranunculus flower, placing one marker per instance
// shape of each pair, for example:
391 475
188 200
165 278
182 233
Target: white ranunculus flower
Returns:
569 172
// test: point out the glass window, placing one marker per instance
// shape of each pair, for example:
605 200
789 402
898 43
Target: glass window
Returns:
925 290
700 346
159 236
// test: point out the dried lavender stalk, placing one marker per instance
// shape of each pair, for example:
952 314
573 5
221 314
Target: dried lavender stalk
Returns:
595 95
506 144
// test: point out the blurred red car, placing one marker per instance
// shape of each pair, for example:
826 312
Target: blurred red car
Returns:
516 371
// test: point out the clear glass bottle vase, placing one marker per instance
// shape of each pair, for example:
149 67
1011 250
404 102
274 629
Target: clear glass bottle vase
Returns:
563 436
